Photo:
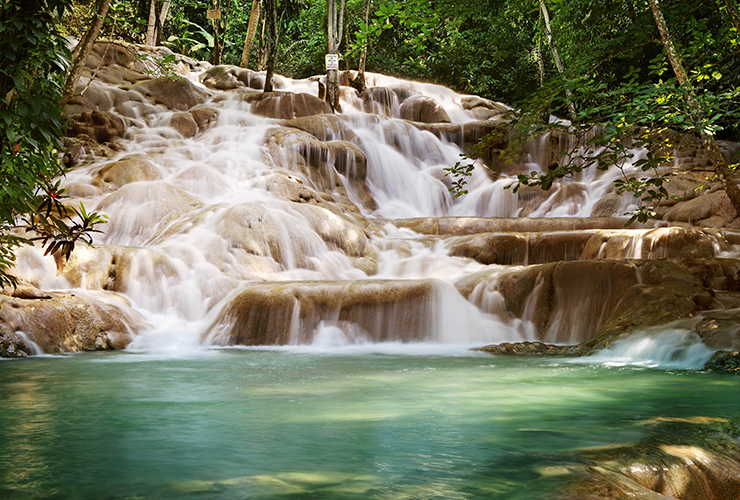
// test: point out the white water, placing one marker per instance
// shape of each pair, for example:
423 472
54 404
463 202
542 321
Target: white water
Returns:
219 217
675 348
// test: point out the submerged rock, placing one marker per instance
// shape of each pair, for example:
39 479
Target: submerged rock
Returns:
679 459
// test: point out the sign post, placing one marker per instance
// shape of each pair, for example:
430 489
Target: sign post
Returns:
332 61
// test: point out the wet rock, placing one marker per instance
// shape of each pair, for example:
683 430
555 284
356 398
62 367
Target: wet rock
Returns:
423 109
119 173
680 459
608 206
177 95
204 116
286 105
522 248
100 126
323 127
596 302
290 312
708 210
473 225
184 124
254 229
661 243
226 77
320 164
724 361
472 102
525 348
64 323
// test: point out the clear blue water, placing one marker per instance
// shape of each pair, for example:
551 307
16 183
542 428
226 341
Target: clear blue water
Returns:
238 424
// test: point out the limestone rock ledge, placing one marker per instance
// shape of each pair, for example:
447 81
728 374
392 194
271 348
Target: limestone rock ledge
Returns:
34 322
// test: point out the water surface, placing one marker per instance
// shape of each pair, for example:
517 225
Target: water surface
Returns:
376 423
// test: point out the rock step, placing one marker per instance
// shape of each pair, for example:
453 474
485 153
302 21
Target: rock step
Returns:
517 248
280 313
474 225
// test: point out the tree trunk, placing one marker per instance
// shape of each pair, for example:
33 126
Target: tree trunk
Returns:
335 27
556 57
721 169
732 8
151 26
254 17
262 48
271 24
82 51
216 56
359 81
160 22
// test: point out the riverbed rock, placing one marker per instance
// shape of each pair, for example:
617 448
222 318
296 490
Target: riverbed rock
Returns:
608 206
661 243
522 248
679 459
204 116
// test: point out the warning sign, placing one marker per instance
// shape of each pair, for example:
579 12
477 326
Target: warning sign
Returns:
332 61
214 14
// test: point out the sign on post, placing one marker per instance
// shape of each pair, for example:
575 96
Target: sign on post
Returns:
214 14
332 61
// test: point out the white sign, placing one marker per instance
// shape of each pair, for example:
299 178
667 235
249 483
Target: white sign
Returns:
332 61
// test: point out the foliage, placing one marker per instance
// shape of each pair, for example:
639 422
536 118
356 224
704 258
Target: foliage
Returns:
32 69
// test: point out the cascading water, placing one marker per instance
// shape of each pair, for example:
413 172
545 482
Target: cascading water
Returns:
338 287
198 215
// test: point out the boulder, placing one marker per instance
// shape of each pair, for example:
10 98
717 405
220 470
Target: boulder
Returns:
57 322
226 77
420 108
608 206
380 100
204 116
184 124
119 173
708 210
177 95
